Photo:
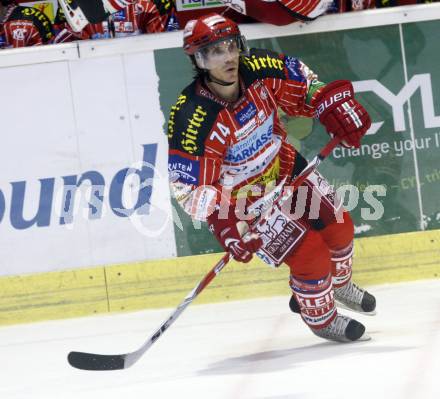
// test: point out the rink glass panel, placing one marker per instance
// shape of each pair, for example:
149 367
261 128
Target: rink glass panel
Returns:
423 57
358 55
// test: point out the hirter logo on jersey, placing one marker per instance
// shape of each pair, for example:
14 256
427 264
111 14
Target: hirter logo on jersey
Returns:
246 114
184 170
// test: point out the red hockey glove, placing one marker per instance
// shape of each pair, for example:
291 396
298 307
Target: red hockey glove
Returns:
227 234
243 249
341 114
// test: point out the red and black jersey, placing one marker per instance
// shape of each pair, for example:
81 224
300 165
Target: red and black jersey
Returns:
216 146
26 26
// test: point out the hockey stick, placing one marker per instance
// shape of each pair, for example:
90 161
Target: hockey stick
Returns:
90 361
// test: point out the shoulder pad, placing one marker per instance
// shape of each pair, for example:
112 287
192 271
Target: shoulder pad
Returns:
261 64
190 121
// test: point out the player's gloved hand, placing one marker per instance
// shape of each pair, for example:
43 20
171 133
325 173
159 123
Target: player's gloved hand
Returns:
226 230
243 249
341 114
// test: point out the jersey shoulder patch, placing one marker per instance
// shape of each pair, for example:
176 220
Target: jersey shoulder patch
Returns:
190 121
261 64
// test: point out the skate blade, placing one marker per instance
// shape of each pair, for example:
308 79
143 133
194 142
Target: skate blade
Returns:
343 306
364 337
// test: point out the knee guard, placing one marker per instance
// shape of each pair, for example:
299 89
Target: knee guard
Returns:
339 239
342 261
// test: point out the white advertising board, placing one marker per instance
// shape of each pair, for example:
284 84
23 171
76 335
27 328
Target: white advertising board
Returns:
83 179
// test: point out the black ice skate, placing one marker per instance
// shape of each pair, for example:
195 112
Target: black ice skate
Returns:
343 329
351 297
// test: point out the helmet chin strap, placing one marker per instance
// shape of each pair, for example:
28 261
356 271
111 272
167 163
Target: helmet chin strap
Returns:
209 78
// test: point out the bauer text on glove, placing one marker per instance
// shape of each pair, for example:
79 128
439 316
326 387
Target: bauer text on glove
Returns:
341 114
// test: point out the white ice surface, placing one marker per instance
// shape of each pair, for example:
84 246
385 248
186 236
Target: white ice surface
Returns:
247 349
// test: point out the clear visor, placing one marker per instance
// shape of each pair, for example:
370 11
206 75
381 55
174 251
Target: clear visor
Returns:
217 54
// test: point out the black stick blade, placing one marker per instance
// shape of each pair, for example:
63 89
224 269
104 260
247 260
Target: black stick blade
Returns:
90 361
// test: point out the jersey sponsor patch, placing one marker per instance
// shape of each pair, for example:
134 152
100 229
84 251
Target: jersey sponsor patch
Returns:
184 170
279 234
246 114
245 130
119 16
247 148
294 69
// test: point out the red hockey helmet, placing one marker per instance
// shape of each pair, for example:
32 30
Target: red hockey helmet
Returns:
211 28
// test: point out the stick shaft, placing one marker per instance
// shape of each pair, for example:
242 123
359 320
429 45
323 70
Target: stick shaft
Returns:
91 361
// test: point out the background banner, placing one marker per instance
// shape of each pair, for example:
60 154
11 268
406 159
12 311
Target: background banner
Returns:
84 178
395 74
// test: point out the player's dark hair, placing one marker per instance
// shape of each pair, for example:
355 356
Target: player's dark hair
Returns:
199 73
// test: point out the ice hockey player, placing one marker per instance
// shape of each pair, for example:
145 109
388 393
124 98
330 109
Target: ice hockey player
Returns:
227 148
79 13
64 33
277 12
24 26
145 16
283 12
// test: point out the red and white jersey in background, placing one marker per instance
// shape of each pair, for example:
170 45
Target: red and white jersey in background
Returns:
143 16
215 145
276 12
64 33
308 8
193 9
282 12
